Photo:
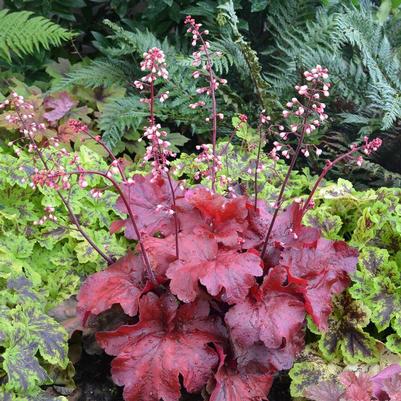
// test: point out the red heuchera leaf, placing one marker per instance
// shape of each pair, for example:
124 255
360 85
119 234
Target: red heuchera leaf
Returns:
60 105
358 387
325 391
217 207
167 342
273 315
259 357
260 317
161 252
150 203
200 261
325 266
387 383
121 283
232 385
286 231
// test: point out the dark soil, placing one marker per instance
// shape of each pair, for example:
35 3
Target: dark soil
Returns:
94 383
93 380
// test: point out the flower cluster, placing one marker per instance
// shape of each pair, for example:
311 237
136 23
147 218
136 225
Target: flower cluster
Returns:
304 114
203 57
158 151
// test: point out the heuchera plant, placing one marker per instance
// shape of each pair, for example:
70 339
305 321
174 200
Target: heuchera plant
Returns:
219 285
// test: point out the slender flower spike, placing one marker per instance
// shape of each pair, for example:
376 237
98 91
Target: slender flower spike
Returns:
157 151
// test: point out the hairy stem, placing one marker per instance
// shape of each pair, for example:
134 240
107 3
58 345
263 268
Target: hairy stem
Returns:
152 122
257 166
130 214
66 203
324 172
285 182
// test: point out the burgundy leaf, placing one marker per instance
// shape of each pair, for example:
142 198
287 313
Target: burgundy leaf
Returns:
121 283
161 252
217 207
274 316
227 271
325 391
168 341
150 203
60 105
267 327
326 266
232 385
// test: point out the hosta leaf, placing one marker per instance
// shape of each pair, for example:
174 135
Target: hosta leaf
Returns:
168 341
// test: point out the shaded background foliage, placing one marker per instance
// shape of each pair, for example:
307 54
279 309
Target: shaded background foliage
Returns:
266 45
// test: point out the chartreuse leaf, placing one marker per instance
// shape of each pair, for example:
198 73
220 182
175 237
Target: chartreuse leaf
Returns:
377 285
325 220
22 367
345 337
311 369
25 333
49 335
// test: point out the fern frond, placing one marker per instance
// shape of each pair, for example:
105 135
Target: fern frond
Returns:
119 116
100 72
22 34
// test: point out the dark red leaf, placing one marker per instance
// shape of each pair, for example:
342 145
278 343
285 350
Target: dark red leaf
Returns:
325 391
117 226
168 341
121 283
217 207
232 385
273 316
326 266
150 202
277 315
161 252
229 272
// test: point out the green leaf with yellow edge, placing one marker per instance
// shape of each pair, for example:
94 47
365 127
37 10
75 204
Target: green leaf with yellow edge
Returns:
377 285
49 335
345 337
310 369
23 369
323 218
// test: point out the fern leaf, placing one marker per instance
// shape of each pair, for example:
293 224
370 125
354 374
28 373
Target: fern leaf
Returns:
22 34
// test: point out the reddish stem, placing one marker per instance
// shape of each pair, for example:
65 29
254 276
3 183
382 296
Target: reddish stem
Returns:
110 153
285 182
130 214
257 166
152 122
324 172
66 203
214 111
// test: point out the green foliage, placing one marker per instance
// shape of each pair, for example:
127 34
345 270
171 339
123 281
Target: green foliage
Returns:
41 266
23 34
